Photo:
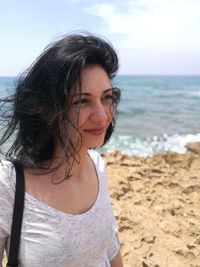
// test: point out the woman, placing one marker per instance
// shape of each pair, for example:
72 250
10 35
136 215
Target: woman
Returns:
63 106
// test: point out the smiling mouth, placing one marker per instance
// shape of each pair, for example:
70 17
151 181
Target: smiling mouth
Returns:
95 131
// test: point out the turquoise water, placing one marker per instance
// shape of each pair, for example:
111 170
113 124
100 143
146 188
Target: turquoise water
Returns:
156 113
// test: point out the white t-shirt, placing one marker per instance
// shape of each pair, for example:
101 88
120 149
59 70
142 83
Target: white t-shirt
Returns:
51 238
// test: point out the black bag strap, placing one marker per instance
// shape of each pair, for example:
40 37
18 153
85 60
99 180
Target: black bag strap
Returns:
17 216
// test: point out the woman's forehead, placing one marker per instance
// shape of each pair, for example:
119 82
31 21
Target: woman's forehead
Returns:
94 79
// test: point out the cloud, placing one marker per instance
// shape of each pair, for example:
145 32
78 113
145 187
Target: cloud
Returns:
151 24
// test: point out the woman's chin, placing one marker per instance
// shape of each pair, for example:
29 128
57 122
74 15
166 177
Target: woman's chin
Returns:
95 145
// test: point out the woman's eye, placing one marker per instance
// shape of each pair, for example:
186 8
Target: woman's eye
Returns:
84 101
80 102
107 98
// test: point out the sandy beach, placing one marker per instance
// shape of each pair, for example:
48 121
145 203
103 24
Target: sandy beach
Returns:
156 202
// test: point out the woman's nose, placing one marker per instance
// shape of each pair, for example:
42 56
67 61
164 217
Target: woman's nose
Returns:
98 113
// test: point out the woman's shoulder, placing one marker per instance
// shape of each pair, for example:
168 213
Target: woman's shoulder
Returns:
7 177
7 195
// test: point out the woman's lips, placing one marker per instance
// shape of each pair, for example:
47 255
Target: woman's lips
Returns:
95 131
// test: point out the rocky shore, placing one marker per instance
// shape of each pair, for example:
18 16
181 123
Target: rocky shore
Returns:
156 202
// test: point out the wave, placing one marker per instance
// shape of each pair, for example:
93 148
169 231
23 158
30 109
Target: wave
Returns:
194 93
150 146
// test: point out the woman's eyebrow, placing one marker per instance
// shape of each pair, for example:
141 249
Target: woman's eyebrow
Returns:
89 94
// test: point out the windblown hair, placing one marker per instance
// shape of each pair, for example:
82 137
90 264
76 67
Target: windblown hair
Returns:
33 115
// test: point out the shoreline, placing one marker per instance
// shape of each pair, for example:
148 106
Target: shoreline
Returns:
149 145
156 205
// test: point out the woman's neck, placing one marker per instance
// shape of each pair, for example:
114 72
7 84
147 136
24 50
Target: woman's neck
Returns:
70 167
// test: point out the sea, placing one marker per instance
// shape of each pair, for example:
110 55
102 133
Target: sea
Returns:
156 113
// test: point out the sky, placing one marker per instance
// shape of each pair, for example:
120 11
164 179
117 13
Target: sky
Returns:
151 37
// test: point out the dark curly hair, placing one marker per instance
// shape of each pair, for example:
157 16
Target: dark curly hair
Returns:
31 116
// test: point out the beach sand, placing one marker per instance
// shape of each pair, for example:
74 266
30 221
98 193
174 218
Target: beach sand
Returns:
156 202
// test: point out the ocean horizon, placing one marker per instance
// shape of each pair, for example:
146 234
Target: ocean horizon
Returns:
157 113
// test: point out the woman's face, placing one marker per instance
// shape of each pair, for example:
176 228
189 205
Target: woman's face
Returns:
96 108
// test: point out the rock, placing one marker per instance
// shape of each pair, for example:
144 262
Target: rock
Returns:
191 188
188 250
148 239
144 264
171 228
193 147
